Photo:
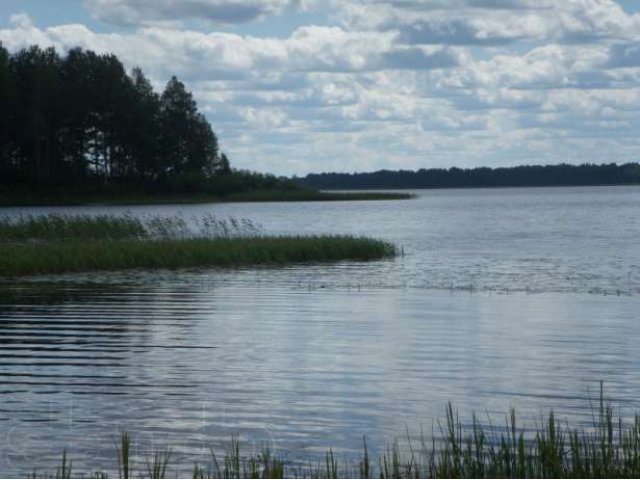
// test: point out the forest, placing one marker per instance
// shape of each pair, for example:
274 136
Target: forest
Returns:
521 176
80 122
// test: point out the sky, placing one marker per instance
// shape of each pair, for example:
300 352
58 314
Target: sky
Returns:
298 86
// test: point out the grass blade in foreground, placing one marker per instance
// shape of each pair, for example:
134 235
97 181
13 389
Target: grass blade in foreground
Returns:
606 449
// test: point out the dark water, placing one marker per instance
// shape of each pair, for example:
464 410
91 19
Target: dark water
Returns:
523 297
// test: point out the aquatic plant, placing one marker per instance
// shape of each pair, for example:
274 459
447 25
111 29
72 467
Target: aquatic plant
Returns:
606 449
81 256
55 226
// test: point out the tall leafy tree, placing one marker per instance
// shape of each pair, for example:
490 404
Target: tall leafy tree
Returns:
6 112
81 120
145 130
225 167
36 75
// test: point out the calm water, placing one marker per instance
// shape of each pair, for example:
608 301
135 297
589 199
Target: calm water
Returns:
523 297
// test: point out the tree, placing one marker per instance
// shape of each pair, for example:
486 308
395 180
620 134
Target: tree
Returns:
178 112
36 76
225 167
189 145
145 129
6 112
81 121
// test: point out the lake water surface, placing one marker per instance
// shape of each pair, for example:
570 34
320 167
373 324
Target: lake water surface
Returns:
503 297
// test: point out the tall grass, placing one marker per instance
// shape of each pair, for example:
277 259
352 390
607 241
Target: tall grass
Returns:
124 455
82 256
52 227
78 243
606 449
60 227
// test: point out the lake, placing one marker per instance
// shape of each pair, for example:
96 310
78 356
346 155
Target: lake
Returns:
502 297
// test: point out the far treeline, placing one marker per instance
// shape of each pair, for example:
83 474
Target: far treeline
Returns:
522 176
81 123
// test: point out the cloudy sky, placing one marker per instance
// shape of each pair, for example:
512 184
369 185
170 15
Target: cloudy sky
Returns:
298 86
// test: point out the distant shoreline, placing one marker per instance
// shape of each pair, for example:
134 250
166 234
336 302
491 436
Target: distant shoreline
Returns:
562 175
474 187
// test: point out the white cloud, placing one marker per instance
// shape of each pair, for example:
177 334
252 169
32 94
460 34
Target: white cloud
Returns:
150 12
390 84
197 55
493 22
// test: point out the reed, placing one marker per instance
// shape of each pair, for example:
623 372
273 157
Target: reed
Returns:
61 227
64 470
157 466
78 243
83 256
52 227
605 449
123 450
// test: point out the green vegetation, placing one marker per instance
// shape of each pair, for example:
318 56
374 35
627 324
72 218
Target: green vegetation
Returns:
63 227
61 243
80 256
308 195
605 449
55 227
78 129
80 120
142 198
521 176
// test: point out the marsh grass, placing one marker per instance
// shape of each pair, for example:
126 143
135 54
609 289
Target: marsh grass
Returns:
123 450
52 227
157 466
605 449
61 227
64 470
82 256
79 243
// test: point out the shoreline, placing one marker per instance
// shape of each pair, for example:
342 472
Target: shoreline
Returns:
257 196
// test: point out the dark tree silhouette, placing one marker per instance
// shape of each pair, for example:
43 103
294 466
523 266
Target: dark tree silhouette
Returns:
80 121
225 167
522 176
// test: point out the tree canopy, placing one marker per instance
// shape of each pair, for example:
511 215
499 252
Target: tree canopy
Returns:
81 120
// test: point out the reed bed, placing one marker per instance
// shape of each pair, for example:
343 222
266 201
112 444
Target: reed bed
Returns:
61 227
79 243
53 227
83 256
606 449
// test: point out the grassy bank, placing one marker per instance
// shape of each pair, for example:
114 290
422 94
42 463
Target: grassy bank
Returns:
552 449
124 198
303 195
62 243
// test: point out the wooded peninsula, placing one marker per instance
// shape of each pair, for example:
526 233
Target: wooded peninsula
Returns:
78 128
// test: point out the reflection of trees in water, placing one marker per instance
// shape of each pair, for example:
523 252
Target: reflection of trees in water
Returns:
97 314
